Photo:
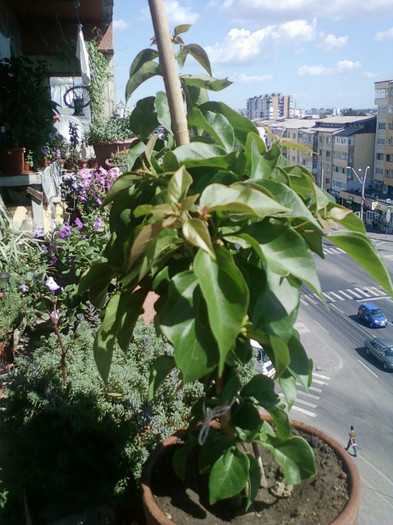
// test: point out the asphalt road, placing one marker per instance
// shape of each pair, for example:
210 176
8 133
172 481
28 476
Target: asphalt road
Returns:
348 386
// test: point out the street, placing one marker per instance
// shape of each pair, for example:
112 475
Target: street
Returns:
349 387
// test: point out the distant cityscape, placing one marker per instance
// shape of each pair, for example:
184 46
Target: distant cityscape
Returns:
349 152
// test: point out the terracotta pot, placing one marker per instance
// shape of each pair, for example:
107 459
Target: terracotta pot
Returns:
348 516
104 150
12 161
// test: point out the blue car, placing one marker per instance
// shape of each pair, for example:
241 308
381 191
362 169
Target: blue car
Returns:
372 315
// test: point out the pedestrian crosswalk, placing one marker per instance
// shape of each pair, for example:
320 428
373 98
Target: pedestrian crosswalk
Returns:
366 293
332 250
307 402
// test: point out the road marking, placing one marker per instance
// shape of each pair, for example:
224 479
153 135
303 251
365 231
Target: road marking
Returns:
304 411
373 290
345 294
363 292
318 382
321 327
321 376
325 294
301 401
311 396
338 296
367 368
303 301
353 293
301 328
313 388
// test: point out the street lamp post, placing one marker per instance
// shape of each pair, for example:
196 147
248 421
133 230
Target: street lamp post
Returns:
362 181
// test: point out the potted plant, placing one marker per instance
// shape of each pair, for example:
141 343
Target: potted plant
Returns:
224 233
26 110
109 136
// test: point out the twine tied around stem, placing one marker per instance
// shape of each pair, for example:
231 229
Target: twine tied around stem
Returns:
209 415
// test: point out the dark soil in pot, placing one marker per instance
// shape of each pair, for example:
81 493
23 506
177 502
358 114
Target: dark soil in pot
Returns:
316 501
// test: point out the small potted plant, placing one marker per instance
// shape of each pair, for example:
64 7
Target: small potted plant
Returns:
109 136
26 110
224 233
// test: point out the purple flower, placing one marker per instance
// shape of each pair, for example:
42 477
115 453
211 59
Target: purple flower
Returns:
98 201
58 153
78 223
45 150
65 232
23 287
44 248
70 259
38 233
113 173
98 224
54 315
52 284
53 261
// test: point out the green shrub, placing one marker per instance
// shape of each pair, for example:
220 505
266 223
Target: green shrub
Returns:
87 443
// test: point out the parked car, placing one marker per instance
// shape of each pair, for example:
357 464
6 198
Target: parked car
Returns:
264 365
382 350
372 315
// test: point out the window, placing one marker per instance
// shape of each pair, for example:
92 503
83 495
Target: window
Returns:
381 141
327 153
379 156
382 125
390 125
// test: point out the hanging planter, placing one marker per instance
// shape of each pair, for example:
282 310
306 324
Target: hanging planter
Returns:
12 161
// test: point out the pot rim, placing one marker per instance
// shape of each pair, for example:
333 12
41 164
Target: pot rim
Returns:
348 514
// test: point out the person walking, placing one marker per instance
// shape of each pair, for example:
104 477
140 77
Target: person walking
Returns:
352 441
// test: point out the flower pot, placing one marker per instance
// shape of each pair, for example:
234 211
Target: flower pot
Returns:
12 161
348 515
104 150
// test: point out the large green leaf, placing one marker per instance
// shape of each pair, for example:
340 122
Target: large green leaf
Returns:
278 351
106 337
204 81
183 320
161 367
144 56
285 252
146 70
143 119
261 388
228 475
178 185
363 251
95 272
295 457
136 150
226 295
241 125
196 52
162 107
288 198
289 389
121 183
299 366
197 233
197 151
246 421
215 124
239 198
216 444
128 311
145 236
254 480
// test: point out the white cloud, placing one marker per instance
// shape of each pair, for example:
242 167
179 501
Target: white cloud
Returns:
343 66
369 74
241 45
383 36
119 25
176 13
333 43
270 11
243 78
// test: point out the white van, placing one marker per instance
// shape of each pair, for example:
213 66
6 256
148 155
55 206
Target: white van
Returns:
264 365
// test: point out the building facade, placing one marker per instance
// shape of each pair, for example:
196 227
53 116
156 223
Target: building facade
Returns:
383 175
270 107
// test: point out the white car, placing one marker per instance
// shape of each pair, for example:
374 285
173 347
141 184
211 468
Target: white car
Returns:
264 365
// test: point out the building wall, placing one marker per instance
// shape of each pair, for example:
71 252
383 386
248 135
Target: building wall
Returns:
364 154
383 170
270 107
9 28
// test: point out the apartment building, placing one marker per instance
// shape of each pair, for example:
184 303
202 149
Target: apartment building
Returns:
270 107
383 174
334 143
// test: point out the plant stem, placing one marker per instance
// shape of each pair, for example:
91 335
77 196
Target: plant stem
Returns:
225 420
169 72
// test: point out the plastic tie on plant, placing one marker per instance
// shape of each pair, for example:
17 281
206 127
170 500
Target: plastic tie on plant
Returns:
209 415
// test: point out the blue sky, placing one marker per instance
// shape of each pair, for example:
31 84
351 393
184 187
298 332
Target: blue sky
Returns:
326 53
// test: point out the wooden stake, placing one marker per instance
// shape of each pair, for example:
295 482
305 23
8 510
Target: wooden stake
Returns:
169 71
